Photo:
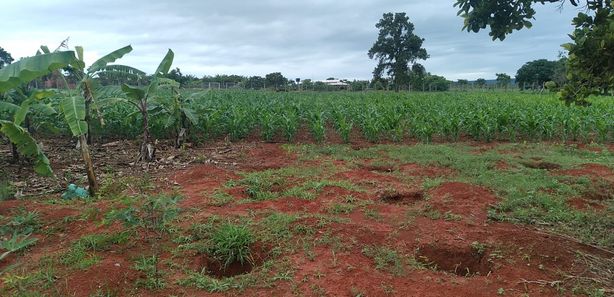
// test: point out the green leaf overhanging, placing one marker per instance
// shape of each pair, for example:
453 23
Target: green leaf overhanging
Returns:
27 146
31 68
109 58
166 64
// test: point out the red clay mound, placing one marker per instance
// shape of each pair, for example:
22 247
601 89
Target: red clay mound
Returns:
267 156
195 180
584 204
110 276
591 170
462 199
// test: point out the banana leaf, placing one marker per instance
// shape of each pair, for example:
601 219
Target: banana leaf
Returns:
109 58
74 113
27 146
166 64
28 69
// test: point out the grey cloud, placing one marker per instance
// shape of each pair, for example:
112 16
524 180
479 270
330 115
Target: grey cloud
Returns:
307 39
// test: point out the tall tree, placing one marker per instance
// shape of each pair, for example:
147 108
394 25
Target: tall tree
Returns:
396 48
5 58
480 82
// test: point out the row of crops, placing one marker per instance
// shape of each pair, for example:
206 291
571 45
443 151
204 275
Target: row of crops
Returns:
377 116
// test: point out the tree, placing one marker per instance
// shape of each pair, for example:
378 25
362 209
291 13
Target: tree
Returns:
590 66
396 48
5 58
505 16
463 83
307 84
177 76
276 81
255 83
535 73
503 80
480 82
139 97
435 83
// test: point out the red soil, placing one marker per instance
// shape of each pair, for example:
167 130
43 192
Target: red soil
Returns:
496 255
584 204
502 165
112 275
462 199
591 170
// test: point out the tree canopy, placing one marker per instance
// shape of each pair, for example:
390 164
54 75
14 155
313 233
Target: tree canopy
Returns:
503 80
505 16
275 80
5 58
396 48
590 66
535 73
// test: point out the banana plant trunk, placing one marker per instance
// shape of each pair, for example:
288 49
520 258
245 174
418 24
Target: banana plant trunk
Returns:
147 153
14 152
89 165
87 120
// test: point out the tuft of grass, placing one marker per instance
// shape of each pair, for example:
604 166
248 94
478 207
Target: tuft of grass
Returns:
82 255
232 243
7 191
385 259
341 208
153 276
220 198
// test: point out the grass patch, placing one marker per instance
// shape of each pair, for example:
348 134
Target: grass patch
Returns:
220 198
385 259
81 254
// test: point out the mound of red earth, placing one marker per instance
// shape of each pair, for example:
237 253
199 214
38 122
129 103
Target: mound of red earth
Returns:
462 199
591 170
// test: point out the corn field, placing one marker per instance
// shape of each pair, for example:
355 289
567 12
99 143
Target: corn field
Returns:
376 116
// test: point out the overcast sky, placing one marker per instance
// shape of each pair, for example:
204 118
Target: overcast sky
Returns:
307 39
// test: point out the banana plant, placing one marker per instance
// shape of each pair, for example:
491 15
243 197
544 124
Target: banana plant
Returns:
77 107
139 97
175 111
88 78
24 100
15 75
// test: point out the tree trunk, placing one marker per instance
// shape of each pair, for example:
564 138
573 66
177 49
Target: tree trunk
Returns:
89 166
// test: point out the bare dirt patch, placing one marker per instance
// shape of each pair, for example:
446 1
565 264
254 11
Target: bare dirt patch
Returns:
400 197
462 199
580 203
541 165
460 260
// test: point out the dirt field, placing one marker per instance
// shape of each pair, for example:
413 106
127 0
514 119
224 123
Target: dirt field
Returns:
467 219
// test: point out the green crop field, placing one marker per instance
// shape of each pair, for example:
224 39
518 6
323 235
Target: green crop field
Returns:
378 116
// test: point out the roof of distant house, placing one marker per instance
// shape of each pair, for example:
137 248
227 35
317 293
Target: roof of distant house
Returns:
334 82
